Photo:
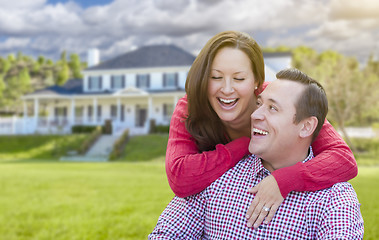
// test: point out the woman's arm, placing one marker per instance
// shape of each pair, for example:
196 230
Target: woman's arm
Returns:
334 162
188 171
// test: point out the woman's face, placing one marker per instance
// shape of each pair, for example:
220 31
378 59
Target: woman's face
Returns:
231 86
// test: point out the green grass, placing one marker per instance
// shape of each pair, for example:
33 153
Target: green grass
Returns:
108 200
45 147
115 200
145 148
81 201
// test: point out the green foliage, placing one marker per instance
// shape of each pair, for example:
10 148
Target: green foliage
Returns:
23 74
63 74
145 147
119 146
47 147
83 129
89 141
75 66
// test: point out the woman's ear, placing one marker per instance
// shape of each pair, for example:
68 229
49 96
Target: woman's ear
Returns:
308 126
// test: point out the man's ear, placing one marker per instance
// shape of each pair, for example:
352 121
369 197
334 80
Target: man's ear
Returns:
308 126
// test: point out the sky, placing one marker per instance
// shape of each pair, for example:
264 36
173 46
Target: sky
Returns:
48 27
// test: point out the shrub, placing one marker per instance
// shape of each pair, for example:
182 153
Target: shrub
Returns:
83 129
119 145
87 143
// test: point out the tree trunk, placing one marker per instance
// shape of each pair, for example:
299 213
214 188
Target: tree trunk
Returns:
347 138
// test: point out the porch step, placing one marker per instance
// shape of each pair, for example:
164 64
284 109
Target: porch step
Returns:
83 159
102 147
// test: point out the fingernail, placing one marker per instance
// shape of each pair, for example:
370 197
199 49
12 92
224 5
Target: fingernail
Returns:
255 225
265 222
249 224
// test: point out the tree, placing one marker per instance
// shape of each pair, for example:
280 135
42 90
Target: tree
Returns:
63 74
75 66
349 91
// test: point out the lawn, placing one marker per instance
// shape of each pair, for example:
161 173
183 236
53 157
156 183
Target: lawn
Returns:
48 199
55 200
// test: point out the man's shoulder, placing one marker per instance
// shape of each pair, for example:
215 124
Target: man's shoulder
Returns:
339 194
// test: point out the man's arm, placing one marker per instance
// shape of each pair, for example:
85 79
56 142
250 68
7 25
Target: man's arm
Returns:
343 219
183 218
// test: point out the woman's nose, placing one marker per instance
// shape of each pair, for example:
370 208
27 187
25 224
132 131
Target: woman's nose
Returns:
227 87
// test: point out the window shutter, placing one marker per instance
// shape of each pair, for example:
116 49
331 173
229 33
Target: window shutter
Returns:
176 79
99 110
164 109
122 112
138 77
123 81
65 112
164 79
112 82
148 80
101 82
89 83
89 111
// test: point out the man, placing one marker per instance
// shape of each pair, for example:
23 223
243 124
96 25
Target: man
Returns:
290 114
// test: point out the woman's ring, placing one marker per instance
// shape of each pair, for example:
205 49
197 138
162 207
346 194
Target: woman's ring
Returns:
267 209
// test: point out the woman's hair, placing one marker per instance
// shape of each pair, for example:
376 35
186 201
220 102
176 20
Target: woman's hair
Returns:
203 122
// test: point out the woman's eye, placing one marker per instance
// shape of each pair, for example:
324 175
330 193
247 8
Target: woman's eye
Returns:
214 77
239 79
258 103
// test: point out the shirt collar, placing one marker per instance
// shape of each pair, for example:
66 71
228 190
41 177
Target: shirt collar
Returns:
258 168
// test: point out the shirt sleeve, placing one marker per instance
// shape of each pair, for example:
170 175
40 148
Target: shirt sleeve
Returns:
183 218
342 219
334 162
188 171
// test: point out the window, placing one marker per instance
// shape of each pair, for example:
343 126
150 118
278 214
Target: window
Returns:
94 83
143 80
113 112
117 82
170 80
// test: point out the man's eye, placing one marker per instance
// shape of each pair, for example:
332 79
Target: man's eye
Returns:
273 108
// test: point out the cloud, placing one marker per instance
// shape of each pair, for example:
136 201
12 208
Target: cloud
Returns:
45 28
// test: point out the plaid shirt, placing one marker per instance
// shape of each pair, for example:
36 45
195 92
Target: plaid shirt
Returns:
219 211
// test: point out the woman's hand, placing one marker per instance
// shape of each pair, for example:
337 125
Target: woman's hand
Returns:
266 201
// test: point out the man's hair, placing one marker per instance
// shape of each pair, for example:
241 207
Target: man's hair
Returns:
202 122
311 102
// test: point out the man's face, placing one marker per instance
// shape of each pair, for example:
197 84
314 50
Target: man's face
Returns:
274 132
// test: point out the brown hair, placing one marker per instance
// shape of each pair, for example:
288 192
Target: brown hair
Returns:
202 122
312 101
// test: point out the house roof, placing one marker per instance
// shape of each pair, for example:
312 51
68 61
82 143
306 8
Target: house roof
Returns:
148 56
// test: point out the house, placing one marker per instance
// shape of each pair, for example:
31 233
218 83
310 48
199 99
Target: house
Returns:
130 90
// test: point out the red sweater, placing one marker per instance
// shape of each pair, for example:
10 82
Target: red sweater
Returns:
189 172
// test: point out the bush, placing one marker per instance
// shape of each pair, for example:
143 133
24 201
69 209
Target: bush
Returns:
83 129
119 145
87 143
162 128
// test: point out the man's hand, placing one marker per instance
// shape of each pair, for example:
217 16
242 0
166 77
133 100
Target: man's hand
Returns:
266 201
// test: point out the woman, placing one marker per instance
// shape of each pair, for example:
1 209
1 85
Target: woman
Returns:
210 130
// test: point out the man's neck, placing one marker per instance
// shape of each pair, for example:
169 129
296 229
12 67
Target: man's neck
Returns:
285 161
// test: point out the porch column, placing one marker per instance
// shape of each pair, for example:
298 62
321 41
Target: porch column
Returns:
176 99
118 116
36 111
72 120
95 110
25 109
150 110
25 117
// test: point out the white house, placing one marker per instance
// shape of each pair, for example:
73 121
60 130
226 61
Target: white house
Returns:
129 89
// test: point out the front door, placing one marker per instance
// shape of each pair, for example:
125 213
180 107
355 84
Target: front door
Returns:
141 117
